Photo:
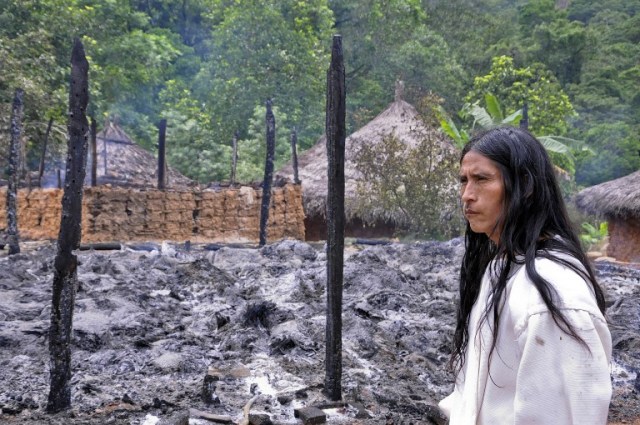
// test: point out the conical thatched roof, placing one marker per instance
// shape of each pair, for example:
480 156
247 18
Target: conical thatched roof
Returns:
129 164
616 198
400 119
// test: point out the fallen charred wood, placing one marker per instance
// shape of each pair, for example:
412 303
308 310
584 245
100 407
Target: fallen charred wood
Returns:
101 246
221 419
371 242
143 247
217 246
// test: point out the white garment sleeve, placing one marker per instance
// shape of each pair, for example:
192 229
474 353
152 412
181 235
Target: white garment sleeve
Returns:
559 380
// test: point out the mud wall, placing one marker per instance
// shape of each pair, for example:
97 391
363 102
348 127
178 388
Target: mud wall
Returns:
118 214
624 240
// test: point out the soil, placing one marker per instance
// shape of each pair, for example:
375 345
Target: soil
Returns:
166 331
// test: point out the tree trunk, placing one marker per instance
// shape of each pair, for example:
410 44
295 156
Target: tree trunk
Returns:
12 189
336 134
234 158
294 155
44 152
162 132
268 173
66 263
94 154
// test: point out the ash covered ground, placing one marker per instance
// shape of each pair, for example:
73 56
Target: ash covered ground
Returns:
162 334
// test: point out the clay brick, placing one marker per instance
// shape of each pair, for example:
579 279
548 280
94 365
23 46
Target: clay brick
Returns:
310 415
207 195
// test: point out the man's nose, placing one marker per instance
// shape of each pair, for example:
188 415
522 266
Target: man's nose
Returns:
467 193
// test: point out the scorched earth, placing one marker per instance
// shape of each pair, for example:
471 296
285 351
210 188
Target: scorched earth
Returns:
166 335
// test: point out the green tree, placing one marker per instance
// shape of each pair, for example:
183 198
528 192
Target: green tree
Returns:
261 50
549 105
129 61
190 147
537 12
607 98
468 24
252 150
411 184
387 41
31 59
561 46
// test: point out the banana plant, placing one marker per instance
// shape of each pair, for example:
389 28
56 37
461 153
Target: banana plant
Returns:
491 117
485 118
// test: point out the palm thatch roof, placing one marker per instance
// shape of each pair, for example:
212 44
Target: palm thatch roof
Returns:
619 198
128 164
400 119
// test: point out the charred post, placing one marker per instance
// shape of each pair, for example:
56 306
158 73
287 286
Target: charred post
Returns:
13 171
234 158
336 134
162 132
104 144
268 173
94 153
294 155
43 154
66 263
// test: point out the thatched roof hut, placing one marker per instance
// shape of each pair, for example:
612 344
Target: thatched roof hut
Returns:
121 162
399 119
619 202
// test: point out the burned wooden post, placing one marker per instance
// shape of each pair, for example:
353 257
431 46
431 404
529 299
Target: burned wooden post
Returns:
268 173
94 154
162 132
336 134
12 187
43 154
234 158
104 144
524 122
294 155
66 263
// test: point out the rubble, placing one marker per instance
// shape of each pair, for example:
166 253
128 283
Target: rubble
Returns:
164 331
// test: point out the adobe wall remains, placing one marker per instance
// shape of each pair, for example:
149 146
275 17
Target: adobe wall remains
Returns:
119 214
624 240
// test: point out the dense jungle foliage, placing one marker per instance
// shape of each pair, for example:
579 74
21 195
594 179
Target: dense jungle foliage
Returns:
209 65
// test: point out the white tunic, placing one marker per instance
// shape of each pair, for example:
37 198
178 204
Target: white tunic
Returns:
538 374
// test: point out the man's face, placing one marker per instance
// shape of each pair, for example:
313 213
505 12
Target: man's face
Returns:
482 194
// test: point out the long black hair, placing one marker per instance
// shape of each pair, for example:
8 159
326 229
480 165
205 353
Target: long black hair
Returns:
534 223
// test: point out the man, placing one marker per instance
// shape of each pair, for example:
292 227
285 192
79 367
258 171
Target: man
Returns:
531 344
